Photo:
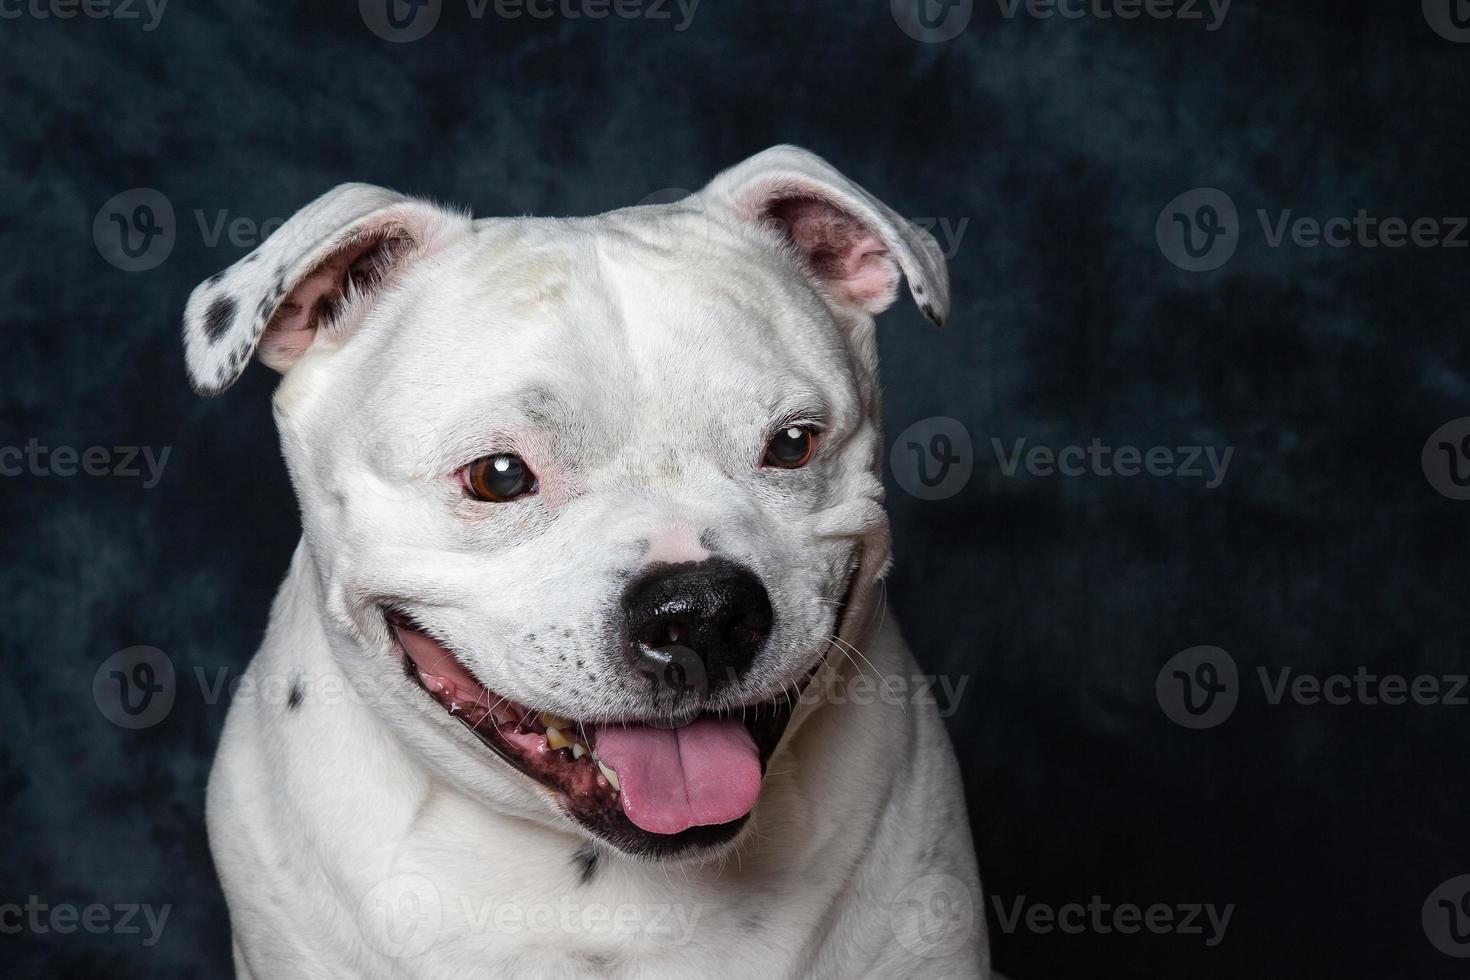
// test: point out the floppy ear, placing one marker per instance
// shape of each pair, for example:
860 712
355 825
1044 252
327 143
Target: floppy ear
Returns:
318 272
850 242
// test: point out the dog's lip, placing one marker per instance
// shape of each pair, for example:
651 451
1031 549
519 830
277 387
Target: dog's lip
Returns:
397 618
592 801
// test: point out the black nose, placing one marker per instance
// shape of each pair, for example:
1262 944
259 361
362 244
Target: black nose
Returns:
698 626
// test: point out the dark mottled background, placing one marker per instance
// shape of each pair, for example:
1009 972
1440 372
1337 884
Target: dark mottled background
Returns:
1053 144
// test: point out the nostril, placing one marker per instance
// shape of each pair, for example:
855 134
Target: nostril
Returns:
662 633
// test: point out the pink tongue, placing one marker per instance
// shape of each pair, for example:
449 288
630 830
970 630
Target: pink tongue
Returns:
707 772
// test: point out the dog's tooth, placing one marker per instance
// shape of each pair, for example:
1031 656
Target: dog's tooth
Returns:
552 721
577 750
611 776
554 737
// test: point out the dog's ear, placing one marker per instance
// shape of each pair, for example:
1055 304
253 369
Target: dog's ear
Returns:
851 243
318 272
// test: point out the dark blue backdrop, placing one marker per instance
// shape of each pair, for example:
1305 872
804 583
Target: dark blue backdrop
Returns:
1048 153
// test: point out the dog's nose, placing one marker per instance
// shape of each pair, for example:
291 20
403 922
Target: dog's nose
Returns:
698 626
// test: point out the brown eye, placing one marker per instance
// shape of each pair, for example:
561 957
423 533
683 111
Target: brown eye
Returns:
791 448
499 478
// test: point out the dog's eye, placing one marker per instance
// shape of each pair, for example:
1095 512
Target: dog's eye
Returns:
791 448
498 478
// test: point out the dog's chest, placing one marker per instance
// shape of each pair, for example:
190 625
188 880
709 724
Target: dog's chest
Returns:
522 909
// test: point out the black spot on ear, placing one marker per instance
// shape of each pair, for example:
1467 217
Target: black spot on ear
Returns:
918 289
293 700
218 317
933 315
585 860
250 258
215 279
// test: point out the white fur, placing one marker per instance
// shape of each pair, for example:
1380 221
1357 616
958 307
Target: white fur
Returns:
636 360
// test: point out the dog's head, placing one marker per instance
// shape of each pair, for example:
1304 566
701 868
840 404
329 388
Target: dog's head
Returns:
598 494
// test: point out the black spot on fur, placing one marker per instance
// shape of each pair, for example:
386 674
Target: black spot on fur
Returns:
218 317
215 279
585 861
293 701
598 963
930 312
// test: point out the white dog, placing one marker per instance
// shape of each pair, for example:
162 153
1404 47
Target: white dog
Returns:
572 652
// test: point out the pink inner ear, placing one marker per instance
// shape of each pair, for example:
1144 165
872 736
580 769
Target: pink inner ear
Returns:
841 251
361 262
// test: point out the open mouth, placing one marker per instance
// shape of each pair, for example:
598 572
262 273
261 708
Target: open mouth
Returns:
644 786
